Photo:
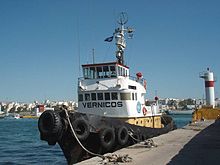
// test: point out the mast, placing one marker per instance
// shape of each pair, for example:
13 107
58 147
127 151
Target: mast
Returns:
120 36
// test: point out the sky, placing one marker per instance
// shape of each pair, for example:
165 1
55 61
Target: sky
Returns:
44 42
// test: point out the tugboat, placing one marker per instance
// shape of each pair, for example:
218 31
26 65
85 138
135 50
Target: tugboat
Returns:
111 113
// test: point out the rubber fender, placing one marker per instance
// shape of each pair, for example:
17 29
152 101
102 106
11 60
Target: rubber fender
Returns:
50 123
81 128
107 138
51 142
122 135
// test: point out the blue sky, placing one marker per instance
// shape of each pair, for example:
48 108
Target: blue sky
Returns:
41 40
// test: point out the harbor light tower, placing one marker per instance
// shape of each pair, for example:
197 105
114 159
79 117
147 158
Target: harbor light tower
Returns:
209 87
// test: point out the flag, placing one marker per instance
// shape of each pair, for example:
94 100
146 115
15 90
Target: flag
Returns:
109 39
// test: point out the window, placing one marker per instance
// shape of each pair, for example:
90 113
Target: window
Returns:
80 97
107 96
132 87
113 71
100 96
114 96
123 72
93 96
126 73
87 97
99 72
86 73
133 96
125 96
106 71
119 71
92 72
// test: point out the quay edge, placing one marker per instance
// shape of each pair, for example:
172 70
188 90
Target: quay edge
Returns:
196 143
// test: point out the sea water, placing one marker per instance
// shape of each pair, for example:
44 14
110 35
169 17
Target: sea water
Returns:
181 120
20 143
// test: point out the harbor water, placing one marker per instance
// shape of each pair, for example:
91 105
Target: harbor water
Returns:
20 143
181 120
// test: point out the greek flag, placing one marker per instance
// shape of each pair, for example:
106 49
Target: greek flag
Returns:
109 39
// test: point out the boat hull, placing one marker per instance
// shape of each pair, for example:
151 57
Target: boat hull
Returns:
97 134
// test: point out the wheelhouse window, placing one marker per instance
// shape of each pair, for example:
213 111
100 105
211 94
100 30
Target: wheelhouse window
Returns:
99 72
125 96
100 96
86 73
92 72
106 72
122 71
87 97
113 71
107 96
80 97
93 96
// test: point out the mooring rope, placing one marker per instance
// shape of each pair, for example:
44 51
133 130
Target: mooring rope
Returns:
131 135
149 143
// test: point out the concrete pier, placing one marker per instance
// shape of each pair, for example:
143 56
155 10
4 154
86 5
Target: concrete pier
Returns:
194 144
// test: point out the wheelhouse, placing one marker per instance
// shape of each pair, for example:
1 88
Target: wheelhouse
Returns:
104 70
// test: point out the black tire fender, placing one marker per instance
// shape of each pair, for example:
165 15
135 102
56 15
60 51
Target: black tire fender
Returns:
107 138
50 123
81 128
122 135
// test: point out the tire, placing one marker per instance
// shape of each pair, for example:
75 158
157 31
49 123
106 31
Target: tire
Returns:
51 142
50 123
107 138
122 135
81 128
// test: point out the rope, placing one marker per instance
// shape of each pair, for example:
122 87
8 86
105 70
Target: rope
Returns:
131 135
149 143
74 133
116 158
164 119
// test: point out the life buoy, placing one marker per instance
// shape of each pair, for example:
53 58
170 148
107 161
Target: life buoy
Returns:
145 84
50 123
107 138
144 110
81 128
122 135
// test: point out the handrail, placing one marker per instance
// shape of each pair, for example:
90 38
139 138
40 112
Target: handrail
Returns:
142 81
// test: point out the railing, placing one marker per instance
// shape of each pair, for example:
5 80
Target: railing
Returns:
142 81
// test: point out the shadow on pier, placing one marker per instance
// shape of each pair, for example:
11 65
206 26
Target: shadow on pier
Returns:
203 149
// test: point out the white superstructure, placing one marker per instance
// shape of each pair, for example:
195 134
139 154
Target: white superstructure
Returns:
209 87
107 89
